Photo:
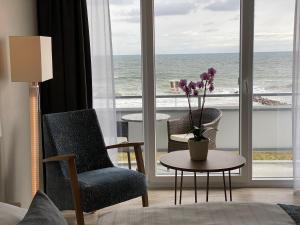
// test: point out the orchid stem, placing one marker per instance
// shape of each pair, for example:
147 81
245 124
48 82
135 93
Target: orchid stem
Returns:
190 111
203 102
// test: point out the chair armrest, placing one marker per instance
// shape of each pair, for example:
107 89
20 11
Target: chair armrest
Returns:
137 152
122 145
56 158
139 158
70 158
214 124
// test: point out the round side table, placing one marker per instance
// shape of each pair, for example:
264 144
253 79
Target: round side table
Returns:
217 161
138 117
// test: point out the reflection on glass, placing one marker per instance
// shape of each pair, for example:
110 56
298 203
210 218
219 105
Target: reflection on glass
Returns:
126 41
272 87
192 36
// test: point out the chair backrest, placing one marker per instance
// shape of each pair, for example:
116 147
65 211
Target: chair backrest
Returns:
210 115
76 132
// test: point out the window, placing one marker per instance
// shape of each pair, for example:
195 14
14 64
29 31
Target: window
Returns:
126 41
272 89
190 36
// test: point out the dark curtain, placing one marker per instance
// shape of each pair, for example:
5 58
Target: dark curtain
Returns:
66 21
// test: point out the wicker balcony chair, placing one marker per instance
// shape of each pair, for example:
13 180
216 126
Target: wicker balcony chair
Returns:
179 129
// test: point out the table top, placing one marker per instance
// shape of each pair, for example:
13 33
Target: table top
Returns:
138 117
217 161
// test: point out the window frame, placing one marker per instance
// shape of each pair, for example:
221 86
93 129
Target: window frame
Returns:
244 179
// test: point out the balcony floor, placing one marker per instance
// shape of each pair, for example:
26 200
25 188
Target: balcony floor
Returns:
276 165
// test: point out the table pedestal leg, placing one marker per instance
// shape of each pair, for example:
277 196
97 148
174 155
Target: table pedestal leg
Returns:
195 186
207 186
181 179
230 191
224 186
175 187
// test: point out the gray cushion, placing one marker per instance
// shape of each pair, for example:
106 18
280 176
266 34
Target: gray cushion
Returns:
104 187
42 211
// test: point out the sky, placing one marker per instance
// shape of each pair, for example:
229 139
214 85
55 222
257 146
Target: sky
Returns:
202 26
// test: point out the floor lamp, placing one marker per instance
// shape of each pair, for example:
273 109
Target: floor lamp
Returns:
31 61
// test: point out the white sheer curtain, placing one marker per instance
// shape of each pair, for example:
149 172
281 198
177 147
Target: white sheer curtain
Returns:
296 100
102 68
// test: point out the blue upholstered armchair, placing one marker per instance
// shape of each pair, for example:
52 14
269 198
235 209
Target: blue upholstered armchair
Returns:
79 172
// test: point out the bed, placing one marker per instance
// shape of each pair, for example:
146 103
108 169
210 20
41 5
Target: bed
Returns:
213 213
206 214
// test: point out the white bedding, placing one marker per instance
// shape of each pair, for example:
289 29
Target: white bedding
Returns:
11 215
201 214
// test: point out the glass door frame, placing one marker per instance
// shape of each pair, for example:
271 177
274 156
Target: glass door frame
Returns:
244 179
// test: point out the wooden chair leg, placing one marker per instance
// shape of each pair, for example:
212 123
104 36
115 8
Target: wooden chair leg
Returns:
128 158
145 200
76 192
141 168
70 158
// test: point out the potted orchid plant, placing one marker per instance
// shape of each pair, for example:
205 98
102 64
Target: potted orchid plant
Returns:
198 145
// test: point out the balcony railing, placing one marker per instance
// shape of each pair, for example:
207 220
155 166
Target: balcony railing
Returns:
271 136
263 101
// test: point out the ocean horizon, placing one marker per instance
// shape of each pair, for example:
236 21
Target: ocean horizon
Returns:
272 73
208 53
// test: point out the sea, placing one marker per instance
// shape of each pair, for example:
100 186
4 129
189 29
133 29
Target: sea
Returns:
272 73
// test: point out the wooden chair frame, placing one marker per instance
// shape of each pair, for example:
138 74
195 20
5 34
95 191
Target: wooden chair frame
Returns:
70 159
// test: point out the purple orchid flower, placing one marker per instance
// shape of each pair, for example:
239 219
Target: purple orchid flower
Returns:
206 83
187 90
195 92
200 84
211 71
192 85
204 76
182 83
211 87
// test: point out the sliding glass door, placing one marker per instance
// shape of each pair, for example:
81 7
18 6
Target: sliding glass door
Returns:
190 37
272 89
126 42
249 43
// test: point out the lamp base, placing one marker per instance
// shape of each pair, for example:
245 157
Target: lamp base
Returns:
34 137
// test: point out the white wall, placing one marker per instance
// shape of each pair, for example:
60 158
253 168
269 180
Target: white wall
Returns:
17 17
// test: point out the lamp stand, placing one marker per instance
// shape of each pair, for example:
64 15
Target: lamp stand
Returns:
34 138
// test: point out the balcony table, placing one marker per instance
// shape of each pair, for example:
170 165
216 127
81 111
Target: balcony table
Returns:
217 161
138 117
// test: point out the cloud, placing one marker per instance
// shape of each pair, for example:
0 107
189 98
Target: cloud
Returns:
223 5
133 19
266 36
211 30
162 8
131 16
235 18
208 24
120 2
190 33
175 8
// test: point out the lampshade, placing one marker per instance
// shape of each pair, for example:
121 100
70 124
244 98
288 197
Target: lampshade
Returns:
30 58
